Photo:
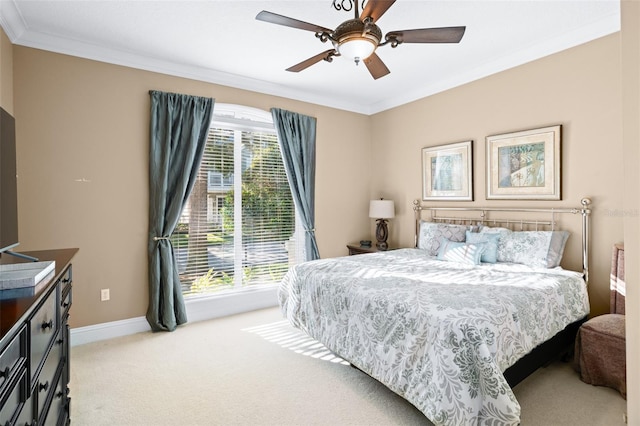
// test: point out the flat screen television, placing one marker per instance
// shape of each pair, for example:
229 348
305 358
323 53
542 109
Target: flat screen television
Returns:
8 183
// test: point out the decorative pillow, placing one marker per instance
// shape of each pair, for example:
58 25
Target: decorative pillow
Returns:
494 230
460 252
490 241
542 249
431 234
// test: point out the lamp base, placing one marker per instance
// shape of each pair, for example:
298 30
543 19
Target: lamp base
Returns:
382 246
381 234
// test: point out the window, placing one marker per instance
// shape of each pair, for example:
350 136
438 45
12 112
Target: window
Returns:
217 181
238 226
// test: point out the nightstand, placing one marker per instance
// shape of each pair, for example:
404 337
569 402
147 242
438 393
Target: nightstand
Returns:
356 248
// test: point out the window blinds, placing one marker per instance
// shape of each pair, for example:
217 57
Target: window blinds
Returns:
238 226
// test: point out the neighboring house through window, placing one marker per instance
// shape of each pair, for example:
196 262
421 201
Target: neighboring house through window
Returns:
238 228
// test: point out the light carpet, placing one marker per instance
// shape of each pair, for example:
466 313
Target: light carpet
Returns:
255 369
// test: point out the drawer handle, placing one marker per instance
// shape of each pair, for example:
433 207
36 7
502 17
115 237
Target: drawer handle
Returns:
46 325
5 372
60 394
66 280
45 386
65 304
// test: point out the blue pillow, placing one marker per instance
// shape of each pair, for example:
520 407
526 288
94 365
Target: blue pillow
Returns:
460 252
490 240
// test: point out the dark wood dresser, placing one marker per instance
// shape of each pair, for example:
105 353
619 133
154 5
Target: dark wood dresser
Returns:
34 346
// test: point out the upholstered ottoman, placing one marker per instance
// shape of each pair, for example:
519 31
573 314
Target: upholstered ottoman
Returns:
600 352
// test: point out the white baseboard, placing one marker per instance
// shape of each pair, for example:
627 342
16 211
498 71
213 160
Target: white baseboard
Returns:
108 330
198 309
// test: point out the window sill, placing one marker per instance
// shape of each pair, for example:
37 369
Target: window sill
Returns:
209 306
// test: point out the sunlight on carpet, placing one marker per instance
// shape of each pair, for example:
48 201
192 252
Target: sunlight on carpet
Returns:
284 335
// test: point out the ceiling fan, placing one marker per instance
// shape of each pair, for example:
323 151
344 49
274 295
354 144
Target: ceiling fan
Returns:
358 38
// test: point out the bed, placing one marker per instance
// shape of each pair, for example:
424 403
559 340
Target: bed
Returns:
454 323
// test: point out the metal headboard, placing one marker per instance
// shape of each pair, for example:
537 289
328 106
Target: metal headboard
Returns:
484 216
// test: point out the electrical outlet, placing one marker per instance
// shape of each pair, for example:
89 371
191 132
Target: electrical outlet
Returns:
104 295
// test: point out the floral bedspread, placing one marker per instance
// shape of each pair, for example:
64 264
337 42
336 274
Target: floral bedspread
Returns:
437 333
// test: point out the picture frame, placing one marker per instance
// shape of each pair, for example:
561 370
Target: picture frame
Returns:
525 165
447 172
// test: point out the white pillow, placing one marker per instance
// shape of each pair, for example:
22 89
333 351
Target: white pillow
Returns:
542 249
431 234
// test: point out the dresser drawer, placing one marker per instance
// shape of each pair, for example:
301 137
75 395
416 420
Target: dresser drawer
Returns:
45 382
12 358
57 408
65 293
14 400
44 327
65 279
27 416
65 301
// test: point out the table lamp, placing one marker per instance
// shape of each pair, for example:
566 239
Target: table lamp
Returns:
381 210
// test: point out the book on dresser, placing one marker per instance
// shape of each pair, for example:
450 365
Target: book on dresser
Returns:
34 345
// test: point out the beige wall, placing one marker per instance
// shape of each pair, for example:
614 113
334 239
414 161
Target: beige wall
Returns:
6 73
577 88
83 167
631 149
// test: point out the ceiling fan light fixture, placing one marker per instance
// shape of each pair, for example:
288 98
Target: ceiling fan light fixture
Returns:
357 48
356 40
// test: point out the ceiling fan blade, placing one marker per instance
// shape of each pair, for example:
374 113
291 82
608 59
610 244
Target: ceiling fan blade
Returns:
375 9
327 55
274 18
428 35
376 67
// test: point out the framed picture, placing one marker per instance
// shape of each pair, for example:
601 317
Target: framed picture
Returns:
524 165
447 172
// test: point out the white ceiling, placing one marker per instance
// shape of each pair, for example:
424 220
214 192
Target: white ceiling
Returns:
221 42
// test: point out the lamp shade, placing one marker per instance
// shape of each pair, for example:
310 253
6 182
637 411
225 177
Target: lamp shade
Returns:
381 209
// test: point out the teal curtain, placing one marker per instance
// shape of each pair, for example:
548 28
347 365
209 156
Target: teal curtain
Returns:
297 139
179 128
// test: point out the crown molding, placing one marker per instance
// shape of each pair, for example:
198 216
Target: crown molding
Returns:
11 20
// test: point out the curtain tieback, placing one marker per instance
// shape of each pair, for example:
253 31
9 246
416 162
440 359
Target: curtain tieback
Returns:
160 238
310 230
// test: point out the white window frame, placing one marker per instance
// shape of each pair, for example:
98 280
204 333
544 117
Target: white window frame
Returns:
240 298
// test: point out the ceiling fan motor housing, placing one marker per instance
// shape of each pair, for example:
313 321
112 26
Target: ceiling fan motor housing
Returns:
355 29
